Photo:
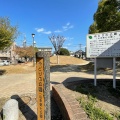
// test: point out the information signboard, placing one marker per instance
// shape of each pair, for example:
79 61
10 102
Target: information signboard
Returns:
106 44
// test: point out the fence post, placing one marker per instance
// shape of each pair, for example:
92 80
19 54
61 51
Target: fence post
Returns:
43 85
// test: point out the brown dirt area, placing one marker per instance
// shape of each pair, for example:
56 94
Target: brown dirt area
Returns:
17 69
67 60
28 67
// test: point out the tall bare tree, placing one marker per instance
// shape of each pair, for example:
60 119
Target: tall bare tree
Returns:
57 42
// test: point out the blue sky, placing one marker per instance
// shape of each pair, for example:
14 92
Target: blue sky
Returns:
68 18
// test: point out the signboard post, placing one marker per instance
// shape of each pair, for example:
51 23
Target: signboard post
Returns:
104 45
95 72
43 85
114 72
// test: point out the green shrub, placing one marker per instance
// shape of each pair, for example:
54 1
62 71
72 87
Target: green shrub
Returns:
64 51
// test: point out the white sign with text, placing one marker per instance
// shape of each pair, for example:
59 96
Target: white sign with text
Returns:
106 44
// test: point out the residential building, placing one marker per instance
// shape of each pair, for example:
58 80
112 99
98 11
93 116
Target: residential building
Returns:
9 54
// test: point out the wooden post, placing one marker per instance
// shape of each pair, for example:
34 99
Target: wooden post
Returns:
43 85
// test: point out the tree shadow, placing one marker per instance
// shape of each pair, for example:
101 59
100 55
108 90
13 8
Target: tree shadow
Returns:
2 72
87 68
28 113
1 114
65 68
52 82
104 90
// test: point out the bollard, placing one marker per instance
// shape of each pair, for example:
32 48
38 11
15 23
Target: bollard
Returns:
10 110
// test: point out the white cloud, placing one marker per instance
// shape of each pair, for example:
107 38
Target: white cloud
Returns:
64 28
47 32
68 24
57 31
40 30
68 44
67 27
71 26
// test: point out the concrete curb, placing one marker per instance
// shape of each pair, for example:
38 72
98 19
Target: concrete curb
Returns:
68 105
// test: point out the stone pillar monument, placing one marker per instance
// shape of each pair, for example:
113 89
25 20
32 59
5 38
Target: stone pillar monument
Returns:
43 85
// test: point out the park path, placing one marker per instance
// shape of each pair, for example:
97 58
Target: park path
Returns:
24 86
11 84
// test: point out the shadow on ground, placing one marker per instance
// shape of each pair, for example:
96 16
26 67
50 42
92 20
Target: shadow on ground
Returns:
64 68
55 83
28 113
88 68
2 72
26 103
104 90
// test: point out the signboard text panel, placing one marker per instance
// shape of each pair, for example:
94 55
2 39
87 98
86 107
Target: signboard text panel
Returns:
105 44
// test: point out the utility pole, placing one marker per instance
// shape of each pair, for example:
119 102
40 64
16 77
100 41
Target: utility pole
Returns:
80 46
80 50
33 50
24 42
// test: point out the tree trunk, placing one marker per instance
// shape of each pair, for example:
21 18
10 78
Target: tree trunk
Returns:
57 59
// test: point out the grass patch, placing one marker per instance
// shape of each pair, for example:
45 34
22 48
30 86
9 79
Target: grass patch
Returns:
104 91
93 112
117 115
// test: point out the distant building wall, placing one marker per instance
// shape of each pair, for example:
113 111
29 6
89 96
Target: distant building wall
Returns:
9 53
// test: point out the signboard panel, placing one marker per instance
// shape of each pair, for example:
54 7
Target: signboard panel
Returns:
106 44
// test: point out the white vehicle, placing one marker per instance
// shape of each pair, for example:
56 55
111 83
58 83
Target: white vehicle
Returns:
1 63
4 62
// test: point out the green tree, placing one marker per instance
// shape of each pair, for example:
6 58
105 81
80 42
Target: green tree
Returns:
64 51
107 17
7 33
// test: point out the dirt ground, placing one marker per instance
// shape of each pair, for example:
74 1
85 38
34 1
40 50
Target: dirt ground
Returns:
20 79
